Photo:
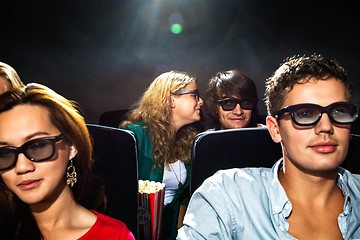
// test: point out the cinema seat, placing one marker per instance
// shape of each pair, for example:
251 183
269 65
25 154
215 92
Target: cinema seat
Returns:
246 147
352 160
116 151
223 149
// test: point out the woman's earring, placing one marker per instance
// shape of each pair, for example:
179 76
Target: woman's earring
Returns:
71 178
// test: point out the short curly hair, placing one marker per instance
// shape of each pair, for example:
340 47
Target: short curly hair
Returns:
297 70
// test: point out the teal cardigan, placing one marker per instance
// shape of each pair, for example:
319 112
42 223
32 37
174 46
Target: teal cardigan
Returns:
146 165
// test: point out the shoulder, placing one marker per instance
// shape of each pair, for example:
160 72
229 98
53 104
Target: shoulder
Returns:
105 220
227 203
139 129
239 176
234 185
138 126
352 182
107 227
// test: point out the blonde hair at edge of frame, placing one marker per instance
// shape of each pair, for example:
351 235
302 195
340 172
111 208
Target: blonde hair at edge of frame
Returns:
154 108
9 73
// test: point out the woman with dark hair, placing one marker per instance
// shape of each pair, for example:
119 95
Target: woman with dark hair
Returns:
47 179
230 101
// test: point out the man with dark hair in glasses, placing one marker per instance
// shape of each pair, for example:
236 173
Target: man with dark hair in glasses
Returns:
306 195
230 101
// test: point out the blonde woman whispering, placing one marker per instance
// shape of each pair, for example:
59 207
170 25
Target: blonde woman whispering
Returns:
161 121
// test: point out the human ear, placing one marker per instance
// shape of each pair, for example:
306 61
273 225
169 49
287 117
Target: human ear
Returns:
73 152
172 101
273 128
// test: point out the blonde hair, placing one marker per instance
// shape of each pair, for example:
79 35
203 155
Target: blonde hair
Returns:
154 109
9 73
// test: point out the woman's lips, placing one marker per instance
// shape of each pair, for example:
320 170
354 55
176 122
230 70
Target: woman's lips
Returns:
29 184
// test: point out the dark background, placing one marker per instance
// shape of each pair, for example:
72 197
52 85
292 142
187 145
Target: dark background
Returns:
104 54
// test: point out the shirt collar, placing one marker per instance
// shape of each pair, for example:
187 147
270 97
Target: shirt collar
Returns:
341 181
279 199
277 194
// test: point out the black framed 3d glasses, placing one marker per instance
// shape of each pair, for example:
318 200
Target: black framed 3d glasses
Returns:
309 114
230 104
35 150
192 91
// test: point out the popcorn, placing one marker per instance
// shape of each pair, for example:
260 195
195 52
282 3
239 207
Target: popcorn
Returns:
151 206
146 186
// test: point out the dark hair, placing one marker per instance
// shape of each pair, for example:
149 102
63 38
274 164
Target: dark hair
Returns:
64 114
298 70
228 84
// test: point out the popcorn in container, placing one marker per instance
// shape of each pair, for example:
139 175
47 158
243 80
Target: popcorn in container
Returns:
151 206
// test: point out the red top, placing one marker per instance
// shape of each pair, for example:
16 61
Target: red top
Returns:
107 228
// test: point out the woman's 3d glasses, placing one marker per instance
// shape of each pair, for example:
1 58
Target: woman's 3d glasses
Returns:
195 92
35 150
310 114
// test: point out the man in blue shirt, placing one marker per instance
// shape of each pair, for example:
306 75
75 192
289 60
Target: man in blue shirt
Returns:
306 195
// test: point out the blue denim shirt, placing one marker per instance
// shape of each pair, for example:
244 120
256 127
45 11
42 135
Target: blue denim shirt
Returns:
250 203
